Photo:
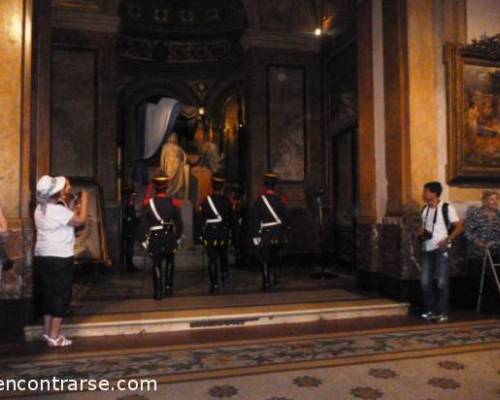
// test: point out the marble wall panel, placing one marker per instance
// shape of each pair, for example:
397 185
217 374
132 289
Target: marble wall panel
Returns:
258 61
74 101
11 29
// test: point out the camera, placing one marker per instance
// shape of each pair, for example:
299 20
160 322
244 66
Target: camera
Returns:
74 200
425 236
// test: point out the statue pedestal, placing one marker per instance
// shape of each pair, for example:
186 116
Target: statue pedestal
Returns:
187 220
189 256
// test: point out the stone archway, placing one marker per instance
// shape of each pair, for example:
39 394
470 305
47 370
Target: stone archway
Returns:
227 97
139 91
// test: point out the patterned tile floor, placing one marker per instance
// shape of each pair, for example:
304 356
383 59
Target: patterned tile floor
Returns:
460 360
468 376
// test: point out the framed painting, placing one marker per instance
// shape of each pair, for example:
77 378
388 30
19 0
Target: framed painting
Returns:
91 245
286 130
473 102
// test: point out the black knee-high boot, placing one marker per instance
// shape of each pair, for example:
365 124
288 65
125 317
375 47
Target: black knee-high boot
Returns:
276 265
213 271
157 283
270 273
163 276
265 275
275 274
224 264
169 284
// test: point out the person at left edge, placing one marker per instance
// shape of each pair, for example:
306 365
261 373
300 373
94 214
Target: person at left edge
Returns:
161 227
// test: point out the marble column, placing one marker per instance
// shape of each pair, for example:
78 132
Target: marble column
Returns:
413 39
15 143
368 227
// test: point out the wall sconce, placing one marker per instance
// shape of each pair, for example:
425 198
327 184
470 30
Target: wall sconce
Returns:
318 31
201 111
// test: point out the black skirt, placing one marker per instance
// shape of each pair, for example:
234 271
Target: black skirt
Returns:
54 278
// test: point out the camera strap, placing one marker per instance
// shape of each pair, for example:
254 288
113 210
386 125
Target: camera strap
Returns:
434 219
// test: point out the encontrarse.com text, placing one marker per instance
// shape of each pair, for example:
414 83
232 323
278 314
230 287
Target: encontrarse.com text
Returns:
77 385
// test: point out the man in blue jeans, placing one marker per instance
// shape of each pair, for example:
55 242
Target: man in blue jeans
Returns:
440 226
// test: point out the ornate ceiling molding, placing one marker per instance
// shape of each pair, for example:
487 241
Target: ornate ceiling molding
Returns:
167 51
109 7
183 19
80 5
75 20
281 40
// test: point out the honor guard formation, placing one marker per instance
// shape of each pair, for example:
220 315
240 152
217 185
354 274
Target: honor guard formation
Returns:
221 221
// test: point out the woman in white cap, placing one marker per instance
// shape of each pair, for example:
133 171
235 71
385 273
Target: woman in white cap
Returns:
54 252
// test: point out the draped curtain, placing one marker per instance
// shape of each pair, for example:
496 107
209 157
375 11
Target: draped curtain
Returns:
159 122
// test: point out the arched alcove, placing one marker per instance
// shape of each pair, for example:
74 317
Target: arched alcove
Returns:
131 98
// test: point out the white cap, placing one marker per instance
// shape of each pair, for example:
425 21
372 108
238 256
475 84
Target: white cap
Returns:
48 186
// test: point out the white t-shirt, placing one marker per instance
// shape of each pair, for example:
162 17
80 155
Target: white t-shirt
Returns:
55 238
440 232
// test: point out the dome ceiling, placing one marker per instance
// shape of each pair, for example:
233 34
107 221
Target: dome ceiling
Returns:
209 31
181 31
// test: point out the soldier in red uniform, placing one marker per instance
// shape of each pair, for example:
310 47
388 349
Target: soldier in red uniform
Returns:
216 213
161 225
269 230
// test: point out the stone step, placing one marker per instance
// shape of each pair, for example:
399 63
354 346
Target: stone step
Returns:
129 323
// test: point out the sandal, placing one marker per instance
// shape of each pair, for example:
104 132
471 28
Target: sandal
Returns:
61 341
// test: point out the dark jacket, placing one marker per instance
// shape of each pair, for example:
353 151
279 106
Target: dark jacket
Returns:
169 210
217 231
222 204
261 214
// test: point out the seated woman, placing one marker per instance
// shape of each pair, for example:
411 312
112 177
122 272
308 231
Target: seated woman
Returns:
54 252
483 225
482 228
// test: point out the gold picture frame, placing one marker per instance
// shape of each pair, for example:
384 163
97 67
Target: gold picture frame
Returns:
473 104
91 245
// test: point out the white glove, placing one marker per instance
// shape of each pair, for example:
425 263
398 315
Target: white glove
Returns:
256 241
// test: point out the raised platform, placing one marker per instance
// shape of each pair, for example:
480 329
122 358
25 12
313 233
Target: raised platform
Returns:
207 312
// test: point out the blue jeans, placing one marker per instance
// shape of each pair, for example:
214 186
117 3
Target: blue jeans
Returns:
436 262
